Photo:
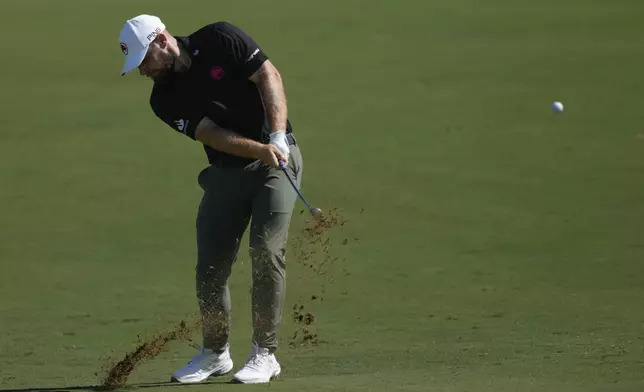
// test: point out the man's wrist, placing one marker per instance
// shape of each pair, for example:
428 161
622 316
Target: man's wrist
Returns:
278 139
257 150
277 136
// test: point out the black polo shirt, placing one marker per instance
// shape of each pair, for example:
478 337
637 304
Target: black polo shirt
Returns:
215 86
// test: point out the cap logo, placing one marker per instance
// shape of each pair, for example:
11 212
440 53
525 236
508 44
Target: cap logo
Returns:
124 48
154 34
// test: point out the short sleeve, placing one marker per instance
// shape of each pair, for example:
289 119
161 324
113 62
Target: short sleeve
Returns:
241 51
180 117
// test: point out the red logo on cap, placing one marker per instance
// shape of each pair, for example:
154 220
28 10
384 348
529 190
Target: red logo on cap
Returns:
124 48
217 73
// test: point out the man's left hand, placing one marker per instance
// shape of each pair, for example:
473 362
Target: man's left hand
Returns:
278 139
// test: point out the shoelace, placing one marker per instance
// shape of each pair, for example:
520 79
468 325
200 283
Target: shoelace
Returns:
257 360
197 359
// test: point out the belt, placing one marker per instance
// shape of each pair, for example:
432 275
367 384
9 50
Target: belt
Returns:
291 139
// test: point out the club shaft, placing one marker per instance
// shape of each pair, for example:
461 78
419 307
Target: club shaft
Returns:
283 167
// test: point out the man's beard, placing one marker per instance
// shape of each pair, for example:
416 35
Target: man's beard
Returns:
168 70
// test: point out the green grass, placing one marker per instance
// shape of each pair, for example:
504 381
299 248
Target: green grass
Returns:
500 247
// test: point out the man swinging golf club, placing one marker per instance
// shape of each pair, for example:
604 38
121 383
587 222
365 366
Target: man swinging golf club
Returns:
216 86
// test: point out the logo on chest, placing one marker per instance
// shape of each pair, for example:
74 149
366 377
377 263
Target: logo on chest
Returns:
217 73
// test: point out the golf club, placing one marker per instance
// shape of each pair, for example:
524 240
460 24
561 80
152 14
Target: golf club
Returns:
316 212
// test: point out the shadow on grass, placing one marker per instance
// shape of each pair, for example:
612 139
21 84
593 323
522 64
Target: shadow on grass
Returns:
104 389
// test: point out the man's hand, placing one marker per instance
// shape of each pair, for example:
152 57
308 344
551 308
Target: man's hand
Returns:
231 142
271 155
278 139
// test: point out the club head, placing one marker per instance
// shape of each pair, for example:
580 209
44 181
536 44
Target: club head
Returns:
317 213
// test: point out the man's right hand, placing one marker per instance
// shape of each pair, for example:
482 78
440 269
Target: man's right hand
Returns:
232 143
271 155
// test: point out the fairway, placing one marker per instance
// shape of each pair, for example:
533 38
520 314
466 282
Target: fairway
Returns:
487 244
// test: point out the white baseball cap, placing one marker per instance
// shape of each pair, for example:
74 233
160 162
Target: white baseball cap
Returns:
136 35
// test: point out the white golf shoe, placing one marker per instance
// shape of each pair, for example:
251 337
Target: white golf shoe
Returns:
204 365
261 367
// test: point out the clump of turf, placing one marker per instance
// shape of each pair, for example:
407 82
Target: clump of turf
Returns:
116 376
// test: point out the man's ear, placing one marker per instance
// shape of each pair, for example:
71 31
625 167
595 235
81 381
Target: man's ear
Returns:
162 41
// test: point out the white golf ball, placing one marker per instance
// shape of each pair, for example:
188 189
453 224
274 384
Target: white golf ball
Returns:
557 107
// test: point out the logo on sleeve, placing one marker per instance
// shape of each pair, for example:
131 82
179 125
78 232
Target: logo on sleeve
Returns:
182 125
221 105
252 56
217 73
124 48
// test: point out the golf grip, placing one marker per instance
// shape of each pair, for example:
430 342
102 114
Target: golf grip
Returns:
283 167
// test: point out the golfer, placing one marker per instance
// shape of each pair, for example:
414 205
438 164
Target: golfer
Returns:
216 86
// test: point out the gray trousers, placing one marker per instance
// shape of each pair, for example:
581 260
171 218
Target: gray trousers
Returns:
232 197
